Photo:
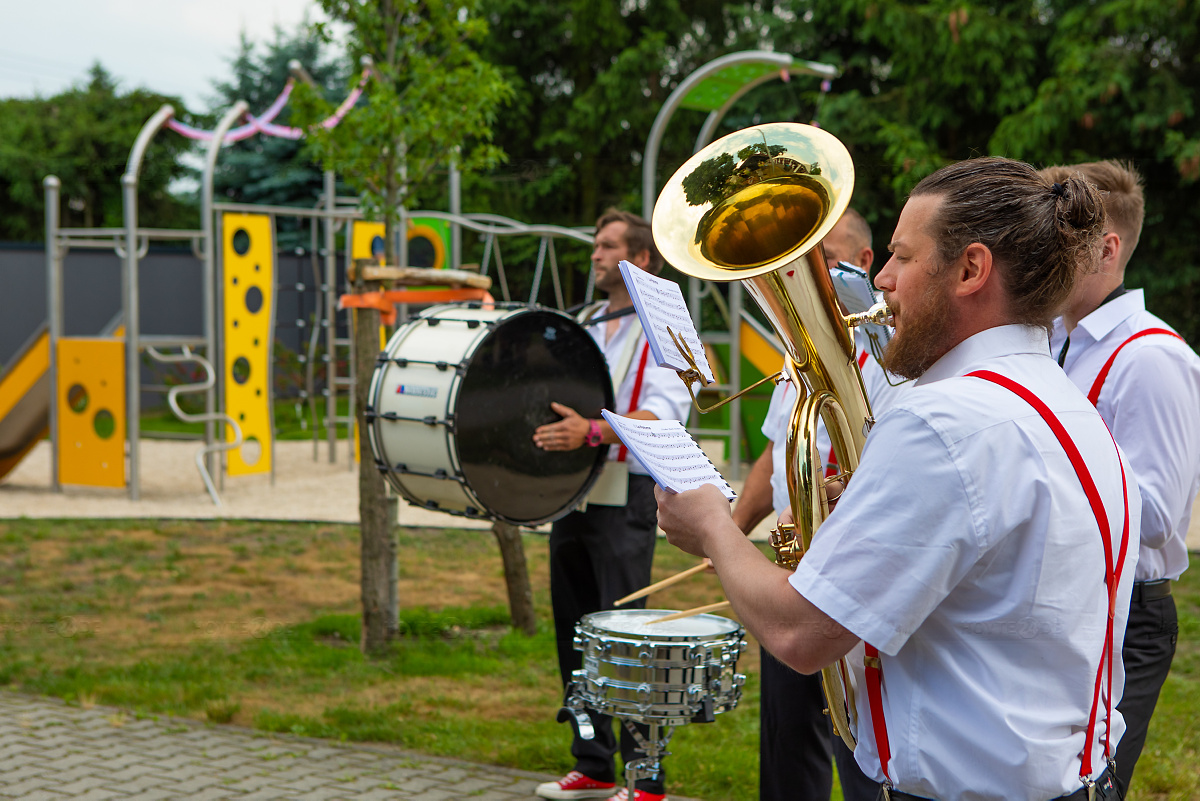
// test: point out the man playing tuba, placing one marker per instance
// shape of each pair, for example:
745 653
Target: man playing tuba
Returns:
980 584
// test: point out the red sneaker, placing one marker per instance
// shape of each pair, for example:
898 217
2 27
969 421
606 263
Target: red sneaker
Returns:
638 795
576 785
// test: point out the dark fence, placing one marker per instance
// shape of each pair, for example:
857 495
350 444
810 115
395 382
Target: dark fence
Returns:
170 299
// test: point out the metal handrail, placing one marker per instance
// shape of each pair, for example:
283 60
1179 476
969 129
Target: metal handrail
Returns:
173 401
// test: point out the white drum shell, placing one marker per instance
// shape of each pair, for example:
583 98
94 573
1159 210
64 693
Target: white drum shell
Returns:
633 672
434 393
456 396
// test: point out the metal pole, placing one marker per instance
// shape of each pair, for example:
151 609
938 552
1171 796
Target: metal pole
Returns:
51 185
210 275
129 278
456 209
330 319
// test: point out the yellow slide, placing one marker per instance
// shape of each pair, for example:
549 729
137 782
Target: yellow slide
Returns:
25 402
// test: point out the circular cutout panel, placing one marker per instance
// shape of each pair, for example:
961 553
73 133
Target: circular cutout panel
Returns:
241 242
241 370
254 300
421 252
104 424
77 398
251 451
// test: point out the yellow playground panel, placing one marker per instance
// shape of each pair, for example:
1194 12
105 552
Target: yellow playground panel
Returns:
249 295
91 412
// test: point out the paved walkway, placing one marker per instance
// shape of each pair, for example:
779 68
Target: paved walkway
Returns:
49 750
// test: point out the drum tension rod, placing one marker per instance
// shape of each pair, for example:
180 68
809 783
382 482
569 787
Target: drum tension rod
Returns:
439 474
370 415
383 359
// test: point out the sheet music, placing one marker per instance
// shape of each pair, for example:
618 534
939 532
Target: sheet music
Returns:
857 294
659 304
668 452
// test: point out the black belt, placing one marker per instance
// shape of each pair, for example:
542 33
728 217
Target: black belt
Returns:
1150 590
1105 790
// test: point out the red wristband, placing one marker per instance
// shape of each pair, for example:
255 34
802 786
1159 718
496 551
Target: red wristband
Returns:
593 434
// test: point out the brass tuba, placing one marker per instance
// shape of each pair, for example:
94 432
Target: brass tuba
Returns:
754 206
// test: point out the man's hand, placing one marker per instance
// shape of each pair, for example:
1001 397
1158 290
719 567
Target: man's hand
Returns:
566 434
690 518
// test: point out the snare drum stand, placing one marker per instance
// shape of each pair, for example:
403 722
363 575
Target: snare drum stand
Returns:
655 749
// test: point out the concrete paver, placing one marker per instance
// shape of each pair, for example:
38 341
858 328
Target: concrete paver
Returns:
49 750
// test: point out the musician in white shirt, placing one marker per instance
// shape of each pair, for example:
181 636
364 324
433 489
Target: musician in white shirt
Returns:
1145 382
967 549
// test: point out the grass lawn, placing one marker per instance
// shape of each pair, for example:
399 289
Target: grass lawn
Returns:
257 624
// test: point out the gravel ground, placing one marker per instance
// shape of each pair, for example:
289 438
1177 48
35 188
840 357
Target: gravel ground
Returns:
304 489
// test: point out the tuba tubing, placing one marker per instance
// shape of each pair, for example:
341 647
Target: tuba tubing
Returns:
754 206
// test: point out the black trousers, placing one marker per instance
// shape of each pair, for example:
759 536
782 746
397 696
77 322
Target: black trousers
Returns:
596 557
1150 639
796 742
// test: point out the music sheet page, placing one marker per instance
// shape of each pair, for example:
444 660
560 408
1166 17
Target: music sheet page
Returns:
668 452
659 304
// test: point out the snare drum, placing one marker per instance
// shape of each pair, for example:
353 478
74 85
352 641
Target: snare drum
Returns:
456 397
668 673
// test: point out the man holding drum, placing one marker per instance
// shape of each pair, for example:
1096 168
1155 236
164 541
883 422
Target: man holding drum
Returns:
980 584
604 551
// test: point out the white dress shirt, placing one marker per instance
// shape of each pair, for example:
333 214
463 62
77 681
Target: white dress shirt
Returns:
663 393
1151 401
880 392
980 577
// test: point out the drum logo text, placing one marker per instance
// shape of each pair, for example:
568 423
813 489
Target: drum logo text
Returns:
412 389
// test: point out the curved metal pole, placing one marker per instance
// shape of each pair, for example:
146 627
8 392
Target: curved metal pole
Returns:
797 68
210 272
133 376
654 140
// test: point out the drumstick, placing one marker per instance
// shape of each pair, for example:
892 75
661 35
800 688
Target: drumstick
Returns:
699 610
658 585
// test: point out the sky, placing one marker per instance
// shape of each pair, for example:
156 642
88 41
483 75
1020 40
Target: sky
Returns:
174 47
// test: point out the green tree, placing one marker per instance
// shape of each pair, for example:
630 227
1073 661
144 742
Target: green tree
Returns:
1047 81
84 136
432 99
268 169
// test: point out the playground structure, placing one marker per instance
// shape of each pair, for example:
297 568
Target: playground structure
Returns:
85 392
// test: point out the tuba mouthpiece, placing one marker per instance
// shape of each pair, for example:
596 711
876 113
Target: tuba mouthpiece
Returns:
879 314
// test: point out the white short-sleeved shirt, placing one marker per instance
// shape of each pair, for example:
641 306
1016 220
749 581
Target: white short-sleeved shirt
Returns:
980 577
1151 401
662 392
880 392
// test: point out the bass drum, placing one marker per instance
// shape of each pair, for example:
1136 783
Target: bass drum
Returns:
456 397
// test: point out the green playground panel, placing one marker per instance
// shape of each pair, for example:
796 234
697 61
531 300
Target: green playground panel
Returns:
711 93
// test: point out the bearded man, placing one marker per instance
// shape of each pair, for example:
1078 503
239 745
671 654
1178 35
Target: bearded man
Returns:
979 586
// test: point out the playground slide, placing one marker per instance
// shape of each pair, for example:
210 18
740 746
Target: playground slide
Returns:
24 401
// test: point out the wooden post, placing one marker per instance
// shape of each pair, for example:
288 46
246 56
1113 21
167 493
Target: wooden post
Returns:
516 576
377 522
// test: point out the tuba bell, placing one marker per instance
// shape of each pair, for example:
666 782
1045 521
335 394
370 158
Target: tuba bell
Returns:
754 206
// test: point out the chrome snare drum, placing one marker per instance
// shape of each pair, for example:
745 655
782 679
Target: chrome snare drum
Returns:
670 673
456 397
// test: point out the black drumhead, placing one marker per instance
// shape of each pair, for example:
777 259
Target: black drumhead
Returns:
525 362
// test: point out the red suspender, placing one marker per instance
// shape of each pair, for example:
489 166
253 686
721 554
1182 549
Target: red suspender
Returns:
1112 578
637 392
1094 394
1112 574
831 465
